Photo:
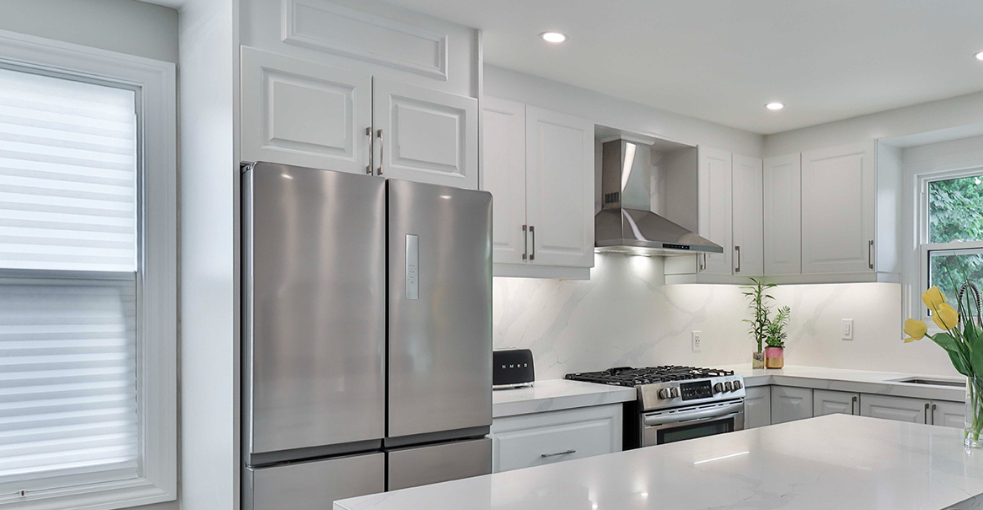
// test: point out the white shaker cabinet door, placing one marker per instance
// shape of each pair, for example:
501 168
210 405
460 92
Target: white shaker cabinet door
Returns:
425 136
838 193
783 214
949 414
835 402
912 410
715 182
747 217
559 188
790 404
757 407
303 113
503 174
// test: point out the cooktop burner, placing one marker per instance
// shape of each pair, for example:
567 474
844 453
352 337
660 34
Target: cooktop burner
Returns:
631 377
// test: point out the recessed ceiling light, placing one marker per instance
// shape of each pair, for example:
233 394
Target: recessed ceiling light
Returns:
553 37
979 56
774 106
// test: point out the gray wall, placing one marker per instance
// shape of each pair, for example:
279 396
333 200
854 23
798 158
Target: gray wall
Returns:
124 26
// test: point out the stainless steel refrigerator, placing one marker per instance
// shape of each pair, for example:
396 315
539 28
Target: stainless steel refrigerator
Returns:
366 336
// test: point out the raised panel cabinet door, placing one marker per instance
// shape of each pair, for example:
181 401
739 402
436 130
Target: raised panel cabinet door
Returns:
790 404
757 407
835 402
303 113
715 182
912 410
949 414
503 174
783 214
749 244
559 188
838 193
425 136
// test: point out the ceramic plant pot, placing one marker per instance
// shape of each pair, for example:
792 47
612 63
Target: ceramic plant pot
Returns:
774 357
757 360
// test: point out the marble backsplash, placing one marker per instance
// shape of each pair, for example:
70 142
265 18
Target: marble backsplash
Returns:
626 316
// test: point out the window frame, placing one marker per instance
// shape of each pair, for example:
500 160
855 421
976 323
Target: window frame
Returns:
156 278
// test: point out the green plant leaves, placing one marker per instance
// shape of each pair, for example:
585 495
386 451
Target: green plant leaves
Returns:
951 345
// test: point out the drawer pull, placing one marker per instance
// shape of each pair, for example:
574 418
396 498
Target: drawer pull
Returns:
547 455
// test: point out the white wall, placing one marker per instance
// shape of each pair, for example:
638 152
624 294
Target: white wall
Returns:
617 113
209 226
625 316
124 26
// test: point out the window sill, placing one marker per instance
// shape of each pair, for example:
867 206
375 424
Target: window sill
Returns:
109 496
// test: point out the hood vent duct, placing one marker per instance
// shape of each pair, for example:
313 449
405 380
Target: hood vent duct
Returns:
626 223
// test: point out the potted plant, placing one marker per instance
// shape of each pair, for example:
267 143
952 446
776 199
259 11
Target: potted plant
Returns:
962 338
759 299
775 353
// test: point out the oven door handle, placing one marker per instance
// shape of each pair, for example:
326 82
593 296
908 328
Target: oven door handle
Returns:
717 412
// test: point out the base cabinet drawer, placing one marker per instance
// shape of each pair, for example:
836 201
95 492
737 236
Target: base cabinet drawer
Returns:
550 437
912 410
835 402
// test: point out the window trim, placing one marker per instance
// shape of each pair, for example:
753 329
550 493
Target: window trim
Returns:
157 283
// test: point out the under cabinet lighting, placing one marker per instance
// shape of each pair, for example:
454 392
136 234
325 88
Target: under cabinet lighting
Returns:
774 106
553 37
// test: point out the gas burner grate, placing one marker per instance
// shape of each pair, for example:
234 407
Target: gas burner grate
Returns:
627 376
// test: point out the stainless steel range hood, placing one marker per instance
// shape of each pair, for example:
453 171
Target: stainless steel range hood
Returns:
625 223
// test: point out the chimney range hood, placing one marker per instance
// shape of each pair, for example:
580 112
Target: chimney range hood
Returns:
625 223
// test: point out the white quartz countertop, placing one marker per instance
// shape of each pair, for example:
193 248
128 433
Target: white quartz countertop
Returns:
556 394
832 462
858 381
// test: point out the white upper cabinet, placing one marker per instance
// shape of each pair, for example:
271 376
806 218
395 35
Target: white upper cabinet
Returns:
715 189
747 217
838 209
783 215
504 175
425 136
306 114
559 188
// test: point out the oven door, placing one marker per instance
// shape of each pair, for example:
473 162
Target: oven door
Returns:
673 425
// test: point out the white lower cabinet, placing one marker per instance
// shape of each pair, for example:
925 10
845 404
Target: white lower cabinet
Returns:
757 407
913 410
546 438
835 402
790 404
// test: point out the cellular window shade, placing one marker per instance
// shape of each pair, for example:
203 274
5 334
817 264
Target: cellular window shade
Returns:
68 159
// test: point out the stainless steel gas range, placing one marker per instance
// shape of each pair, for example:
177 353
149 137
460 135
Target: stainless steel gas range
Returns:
675 403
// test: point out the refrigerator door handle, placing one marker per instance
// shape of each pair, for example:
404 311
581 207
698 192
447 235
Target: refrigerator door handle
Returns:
382 148
368 167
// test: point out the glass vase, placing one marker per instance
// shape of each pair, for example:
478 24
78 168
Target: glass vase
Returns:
974 413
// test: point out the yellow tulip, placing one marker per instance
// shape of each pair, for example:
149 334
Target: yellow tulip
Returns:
933 298
945 317
915 330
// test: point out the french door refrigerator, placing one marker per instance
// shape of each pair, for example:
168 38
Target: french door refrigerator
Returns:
367 335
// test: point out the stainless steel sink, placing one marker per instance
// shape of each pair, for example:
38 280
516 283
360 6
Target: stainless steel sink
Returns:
931 382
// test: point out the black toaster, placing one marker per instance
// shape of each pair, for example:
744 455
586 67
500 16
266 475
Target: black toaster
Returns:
513 368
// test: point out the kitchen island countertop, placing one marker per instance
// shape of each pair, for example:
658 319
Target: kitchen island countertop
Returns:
836 461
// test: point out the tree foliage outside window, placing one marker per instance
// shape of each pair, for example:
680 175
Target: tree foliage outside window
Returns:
955 215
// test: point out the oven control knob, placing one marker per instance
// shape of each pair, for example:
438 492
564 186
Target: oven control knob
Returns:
674 392
718 388
664 393
728 387
737 385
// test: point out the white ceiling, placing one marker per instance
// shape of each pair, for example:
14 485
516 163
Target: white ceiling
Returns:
722 60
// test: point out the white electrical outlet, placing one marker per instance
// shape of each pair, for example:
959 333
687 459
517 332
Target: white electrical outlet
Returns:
697 342
847 329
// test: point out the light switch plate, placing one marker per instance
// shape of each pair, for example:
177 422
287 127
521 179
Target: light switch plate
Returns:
697 341
847 333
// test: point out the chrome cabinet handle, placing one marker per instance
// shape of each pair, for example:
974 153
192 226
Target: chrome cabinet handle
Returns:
738 250
532 230
547 455
368 133
926 413
934 407
382 147
853 406
870 254
525 243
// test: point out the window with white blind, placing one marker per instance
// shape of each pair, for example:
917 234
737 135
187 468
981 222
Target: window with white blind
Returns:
87 278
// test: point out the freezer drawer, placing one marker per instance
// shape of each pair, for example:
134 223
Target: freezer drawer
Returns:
440 274
314 311
424 465
313 485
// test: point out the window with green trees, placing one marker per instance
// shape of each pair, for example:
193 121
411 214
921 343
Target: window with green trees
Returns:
955 233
